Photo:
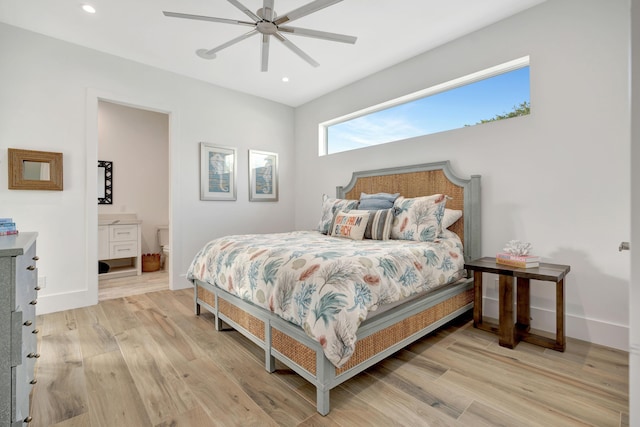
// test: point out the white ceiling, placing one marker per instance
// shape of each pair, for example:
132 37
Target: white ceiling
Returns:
388 32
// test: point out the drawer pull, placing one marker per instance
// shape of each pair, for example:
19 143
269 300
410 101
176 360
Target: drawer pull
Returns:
31 267
37 288
35 258
28 419
33 381
35 331
33 355
28 323
34 302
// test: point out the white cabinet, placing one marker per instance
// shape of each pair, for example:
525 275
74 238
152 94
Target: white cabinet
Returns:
119 245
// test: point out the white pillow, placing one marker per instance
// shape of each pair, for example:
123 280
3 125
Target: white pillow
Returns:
450 217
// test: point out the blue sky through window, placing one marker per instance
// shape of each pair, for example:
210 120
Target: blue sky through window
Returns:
450 109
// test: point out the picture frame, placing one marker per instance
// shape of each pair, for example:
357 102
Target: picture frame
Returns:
34 170
263 176
105 182
218 166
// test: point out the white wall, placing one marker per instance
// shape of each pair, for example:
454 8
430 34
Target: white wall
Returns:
559 178
49 100
634 298
571 153
137 142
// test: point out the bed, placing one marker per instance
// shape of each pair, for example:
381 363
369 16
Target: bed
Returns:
338 330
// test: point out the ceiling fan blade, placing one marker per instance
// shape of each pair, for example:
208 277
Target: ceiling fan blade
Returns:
305 10
264 51
207 18
295 49
211 53
245 10
334 37
267 10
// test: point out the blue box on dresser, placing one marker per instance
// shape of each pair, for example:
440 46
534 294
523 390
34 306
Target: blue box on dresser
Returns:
18 341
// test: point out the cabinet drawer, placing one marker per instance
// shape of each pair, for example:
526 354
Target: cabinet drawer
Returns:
123 249
120 233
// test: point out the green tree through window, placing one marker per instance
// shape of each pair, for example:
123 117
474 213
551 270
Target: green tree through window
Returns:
462 102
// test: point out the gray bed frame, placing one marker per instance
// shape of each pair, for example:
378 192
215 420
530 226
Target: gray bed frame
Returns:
379 336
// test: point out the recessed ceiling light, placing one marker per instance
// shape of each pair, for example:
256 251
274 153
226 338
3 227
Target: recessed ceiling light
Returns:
285 79
88 8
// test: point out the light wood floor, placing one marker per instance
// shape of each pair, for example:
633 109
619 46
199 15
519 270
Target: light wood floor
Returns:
133 285
147 360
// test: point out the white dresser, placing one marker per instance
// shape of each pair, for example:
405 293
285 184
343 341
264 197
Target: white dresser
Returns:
119 244
18 340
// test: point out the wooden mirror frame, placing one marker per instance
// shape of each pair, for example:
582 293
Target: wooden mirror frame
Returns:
16 170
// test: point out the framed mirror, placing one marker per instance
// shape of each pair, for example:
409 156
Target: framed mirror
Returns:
105 182
35 170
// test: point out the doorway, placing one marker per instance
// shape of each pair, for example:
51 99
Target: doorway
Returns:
95 96
134 142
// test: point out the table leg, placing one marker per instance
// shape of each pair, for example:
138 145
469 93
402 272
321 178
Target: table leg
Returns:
507 326
523 305
477 299
560 334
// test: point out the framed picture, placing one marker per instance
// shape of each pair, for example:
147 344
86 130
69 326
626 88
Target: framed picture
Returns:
217 172
105 182
263 176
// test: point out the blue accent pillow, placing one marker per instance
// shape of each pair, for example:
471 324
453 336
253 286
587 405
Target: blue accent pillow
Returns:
377 201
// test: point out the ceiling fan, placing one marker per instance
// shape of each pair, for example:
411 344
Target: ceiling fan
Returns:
267 23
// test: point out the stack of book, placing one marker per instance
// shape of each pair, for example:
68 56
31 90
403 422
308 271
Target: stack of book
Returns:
7 227
521 261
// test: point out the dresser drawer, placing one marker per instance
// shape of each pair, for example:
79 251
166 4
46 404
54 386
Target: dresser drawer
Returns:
29 332
121 233
24 336
26 277
24 378
123 249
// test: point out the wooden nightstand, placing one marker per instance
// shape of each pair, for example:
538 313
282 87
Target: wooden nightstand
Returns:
511 333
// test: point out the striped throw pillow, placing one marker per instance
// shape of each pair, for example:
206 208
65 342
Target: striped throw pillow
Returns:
379 224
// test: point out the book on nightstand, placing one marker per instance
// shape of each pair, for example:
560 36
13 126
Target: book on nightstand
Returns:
521 261
7 227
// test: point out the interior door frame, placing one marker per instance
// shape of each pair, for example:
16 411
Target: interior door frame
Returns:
91 246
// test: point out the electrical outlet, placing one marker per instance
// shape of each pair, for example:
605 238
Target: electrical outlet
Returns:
42 282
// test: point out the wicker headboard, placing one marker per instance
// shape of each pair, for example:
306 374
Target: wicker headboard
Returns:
424 180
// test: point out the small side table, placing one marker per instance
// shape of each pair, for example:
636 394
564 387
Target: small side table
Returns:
509 333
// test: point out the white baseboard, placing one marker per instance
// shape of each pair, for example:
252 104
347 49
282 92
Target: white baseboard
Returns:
66 301
582 328
83 298
592 330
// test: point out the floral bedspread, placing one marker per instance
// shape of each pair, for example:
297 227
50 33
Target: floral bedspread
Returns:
326 285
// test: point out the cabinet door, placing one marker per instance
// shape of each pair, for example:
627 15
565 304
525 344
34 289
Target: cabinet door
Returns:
103 242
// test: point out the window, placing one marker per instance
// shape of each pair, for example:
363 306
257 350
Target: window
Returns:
497 93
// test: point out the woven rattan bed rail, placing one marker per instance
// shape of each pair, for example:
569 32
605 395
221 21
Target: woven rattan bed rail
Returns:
382 335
